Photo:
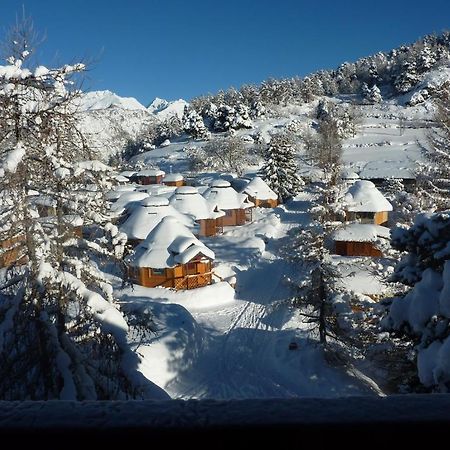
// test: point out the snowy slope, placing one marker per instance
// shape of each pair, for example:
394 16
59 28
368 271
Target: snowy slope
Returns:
108 130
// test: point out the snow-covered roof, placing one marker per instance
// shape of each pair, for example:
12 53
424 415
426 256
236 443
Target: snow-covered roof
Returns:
148 214
361 232
155 201
150 173
348 174
220 183
169 243
363 196
187 200
120 178
127 173
113 195
126 187
128 200
225 197
174 177
258 188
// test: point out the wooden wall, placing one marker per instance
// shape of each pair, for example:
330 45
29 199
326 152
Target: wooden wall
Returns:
378 218
270 203
149 180
208 227
346 248
185 276
381 217
174 183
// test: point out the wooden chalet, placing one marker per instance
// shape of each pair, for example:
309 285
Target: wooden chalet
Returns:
260 193
172 257
173 179
149 176
188 201
359 239
147 214
236 206
365 203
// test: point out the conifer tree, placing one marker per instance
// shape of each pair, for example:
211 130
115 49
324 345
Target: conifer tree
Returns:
280 169
374 95
407 78
193 124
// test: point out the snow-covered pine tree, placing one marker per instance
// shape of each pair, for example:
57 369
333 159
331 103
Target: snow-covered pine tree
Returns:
365 91
62 335
374 95
422 316
229 117
407 77
405 204
280 169
427 58
193 124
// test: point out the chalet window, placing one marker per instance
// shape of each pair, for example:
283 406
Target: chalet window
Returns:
191 267
158 271
366 215
228 212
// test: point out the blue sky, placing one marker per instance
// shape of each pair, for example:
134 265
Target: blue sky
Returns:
176 48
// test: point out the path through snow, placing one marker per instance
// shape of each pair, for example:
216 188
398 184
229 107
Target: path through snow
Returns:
243 351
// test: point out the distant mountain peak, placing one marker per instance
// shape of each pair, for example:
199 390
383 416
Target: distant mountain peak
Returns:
96 100
164 109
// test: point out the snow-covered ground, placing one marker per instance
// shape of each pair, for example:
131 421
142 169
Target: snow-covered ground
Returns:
215 342
388 141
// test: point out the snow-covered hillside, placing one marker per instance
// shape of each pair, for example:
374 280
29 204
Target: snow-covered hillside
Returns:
109 121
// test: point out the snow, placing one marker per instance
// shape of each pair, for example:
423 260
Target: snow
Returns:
127 173
420 304
14 157
93 166
237 346
41 71
363 196
127 200
150 173
258 188
96 100
155 201
148 215
358 232
164 109
168 244
222 195
173 177
187 200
